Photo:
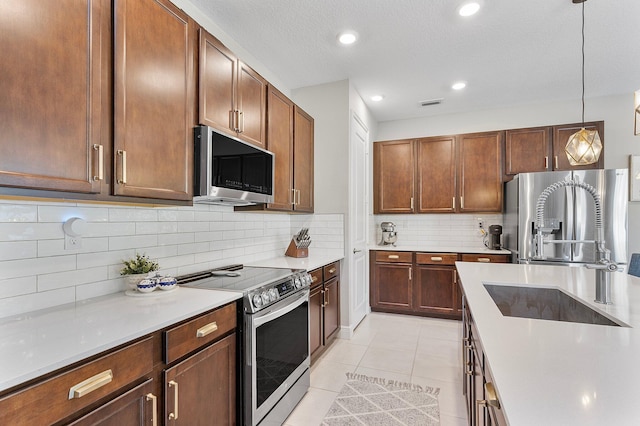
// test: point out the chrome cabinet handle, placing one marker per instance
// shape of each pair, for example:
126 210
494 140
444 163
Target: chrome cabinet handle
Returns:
100 150
123 176
207 329
154 408
174 415
92 383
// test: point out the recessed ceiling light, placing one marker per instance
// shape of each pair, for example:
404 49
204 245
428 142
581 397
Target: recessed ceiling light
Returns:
469 9
459 85
377 98
347 37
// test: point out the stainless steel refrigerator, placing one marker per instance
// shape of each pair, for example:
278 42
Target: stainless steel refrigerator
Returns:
569 214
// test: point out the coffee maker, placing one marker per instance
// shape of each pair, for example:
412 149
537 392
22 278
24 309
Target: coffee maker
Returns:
494 237
389 234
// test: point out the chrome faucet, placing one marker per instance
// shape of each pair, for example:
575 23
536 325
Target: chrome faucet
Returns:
603 266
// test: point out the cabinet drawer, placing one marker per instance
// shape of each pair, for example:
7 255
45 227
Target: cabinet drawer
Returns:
486 258
436 258
331 270
62 395
394 256
316 277
196 333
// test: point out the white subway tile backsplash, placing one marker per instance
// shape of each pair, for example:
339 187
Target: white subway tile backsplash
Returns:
133 242
87 291
37 266
62 213
14 213
35 301
17 287
25 231
71 278
18 250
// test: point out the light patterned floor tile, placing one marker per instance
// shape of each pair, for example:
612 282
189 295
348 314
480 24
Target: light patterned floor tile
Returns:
345 353
312 409
330 375
388 359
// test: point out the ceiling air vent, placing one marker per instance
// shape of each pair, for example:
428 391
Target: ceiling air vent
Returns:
431 102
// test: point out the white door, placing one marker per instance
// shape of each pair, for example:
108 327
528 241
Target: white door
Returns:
358 219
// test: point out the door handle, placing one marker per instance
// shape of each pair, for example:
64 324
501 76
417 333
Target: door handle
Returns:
355 250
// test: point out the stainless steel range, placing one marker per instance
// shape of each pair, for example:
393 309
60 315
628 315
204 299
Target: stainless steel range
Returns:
275 342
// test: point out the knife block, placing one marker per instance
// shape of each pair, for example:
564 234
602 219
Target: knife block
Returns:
294 251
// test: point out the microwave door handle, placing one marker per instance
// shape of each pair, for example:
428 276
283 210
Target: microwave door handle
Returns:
288 307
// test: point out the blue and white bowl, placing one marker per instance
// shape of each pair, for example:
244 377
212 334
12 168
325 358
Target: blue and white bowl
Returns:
147 285
167 283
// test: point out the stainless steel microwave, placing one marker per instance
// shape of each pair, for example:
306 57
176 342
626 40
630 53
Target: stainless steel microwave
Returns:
230 171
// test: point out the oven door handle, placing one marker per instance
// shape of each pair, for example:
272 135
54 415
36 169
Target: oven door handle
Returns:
297 300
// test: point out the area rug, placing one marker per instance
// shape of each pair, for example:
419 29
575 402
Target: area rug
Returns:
373 401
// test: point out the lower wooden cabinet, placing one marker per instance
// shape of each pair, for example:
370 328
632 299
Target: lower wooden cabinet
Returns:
137 407
203 387
324 308
420 283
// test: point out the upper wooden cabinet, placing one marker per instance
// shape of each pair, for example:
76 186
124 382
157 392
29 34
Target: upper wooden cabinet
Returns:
54 90
541 149
154 100
444 174
233 97
98 99
303 170
436 175
480 165
393 176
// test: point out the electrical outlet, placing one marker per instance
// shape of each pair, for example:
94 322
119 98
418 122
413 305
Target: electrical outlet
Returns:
480 223
72 243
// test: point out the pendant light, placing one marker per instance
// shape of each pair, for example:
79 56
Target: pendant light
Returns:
584 146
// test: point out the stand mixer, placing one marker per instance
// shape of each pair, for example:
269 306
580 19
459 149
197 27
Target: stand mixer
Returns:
389 234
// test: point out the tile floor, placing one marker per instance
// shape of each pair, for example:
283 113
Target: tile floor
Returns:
423 351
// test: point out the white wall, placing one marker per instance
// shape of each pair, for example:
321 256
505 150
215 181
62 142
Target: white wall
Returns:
36 272
616 111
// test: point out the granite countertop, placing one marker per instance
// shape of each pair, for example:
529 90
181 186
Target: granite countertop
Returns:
560 373
43 341
437 249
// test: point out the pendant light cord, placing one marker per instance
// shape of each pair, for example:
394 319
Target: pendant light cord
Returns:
583 63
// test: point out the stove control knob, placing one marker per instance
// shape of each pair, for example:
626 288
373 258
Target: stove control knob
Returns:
265 297
274 294
296 282
307 279
257 300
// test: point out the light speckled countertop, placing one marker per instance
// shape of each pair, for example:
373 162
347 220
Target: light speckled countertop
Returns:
438 249
559 373
40 342
309 263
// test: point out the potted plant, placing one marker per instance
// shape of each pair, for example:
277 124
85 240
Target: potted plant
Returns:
137 268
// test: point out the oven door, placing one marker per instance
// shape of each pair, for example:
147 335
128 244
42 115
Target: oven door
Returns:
277 354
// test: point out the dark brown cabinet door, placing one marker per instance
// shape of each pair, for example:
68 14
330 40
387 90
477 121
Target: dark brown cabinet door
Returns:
527 150
561 136
391 286
154 85
135 407
480 160
54 93
393 177
303 160
436 176
434 290
331 307
315 319
251 102
203 386
280 142
218 70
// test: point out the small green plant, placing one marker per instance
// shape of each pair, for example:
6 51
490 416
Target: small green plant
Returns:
141 264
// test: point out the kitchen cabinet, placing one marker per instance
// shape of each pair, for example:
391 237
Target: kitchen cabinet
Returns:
98 382
55 94
561 135
540 149
452 174
393 176
303 171
480 172
154 98
391 281
111 86
201 386
435 287
420 283
436 175
232 96
324 308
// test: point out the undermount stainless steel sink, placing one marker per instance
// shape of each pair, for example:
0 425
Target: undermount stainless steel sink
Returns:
544 303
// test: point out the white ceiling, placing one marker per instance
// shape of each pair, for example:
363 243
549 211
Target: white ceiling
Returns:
512 52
